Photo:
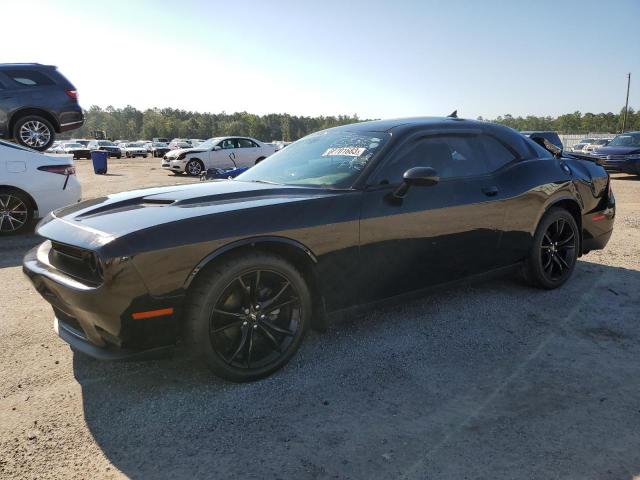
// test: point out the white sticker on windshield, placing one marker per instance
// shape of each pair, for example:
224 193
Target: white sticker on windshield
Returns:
344 152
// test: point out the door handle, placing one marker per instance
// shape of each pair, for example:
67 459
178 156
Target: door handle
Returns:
490 191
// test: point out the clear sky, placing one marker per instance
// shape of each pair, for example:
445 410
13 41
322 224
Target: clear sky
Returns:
378 59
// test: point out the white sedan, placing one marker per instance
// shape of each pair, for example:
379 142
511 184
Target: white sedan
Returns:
32 184
218 152
134 149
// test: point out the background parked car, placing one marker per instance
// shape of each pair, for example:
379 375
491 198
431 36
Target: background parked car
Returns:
547 135
107 146
134 149
160 140
76 149
159 149
600 142
219 152
579 147
36 102
32 185
622 154
180 144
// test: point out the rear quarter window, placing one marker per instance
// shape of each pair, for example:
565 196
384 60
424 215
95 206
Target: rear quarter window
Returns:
29 78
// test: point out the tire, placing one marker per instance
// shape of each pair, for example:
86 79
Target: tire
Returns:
555 249
16 212
35 132
230 326
194 167
176 173
119 157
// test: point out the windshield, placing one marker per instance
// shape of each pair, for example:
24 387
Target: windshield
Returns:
210 143
73 145
159 144
626 140
134 145
327 159
106 143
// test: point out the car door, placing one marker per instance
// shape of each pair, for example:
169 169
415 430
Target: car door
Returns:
247 152
433 234
225 155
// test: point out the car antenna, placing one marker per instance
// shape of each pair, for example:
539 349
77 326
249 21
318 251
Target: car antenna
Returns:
453 114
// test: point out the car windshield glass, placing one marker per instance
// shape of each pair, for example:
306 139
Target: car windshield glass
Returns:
134 145
626 140
158 144
73 145
106 143
210 143
327 159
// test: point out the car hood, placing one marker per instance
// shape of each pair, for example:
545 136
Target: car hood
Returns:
178 151
93 223
617 150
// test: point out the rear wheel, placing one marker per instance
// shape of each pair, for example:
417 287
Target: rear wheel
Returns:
35 132
248 315
555 250
16 212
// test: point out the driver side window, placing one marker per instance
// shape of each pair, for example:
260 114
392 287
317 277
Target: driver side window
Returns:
228 143
450 155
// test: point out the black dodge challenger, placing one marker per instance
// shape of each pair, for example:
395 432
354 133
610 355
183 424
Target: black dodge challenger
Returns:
346 217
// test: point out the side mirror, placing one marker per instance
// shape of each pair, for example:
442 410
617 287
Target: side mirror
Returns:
418 176
216 148
421 176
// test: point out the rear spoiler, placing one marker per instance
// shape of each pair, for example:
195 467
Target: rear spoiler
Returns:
558 152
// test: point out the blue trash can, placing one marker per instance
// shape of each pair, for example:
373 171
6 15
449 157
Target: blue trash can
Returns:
99 159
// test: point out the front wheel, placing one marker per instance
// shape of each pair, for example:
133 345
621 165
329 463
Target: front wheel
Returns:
247 316
34 132
194 167
554 252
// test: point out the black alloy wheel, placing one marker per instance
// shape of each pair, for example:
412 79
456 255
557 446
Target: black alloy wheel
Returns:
248 318
255 319
555 250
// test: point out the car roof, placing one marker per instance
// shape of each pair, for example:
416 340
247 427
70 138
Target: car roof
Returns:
411 122
23 65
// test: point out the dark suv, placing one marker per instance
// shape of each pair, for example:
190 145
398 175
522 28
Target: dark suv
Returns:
36 102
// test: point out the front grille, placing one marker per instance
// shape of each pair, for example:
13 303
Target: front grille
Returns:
76 262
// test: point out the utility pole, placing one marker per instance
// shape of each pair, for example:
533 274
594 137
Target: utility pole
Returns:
626 104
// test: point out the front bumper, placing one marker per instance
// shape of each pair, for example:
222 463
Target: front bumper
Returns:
631 166
97 318
78 342
175 165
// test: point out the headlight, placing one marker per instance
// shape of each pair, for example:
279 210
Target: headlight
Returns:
181 156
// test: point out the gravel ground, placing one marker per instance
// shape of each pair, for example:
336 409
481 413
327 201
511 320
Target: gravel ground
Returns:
493 380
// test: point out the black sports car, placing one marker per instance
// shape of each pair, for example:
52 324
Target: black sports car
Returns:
345 217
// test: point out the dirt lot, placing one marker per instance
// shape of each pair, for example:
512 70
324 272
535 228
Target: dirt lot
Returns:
488 381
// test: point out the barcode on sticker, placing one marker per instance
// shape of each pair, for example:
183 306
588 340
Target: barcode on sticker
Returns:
344 152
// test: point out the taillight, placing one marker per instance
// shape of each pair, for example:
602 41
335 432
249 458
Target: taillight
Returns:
60 169
72 93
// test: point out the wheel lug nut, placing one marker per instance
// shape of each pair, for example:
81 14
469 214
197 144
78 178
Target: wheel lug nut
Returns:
255 326
257 307
246 311
244 324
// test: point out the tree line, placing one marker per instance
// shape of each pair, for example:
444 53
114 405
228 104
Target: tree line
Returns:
575 123
132 124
